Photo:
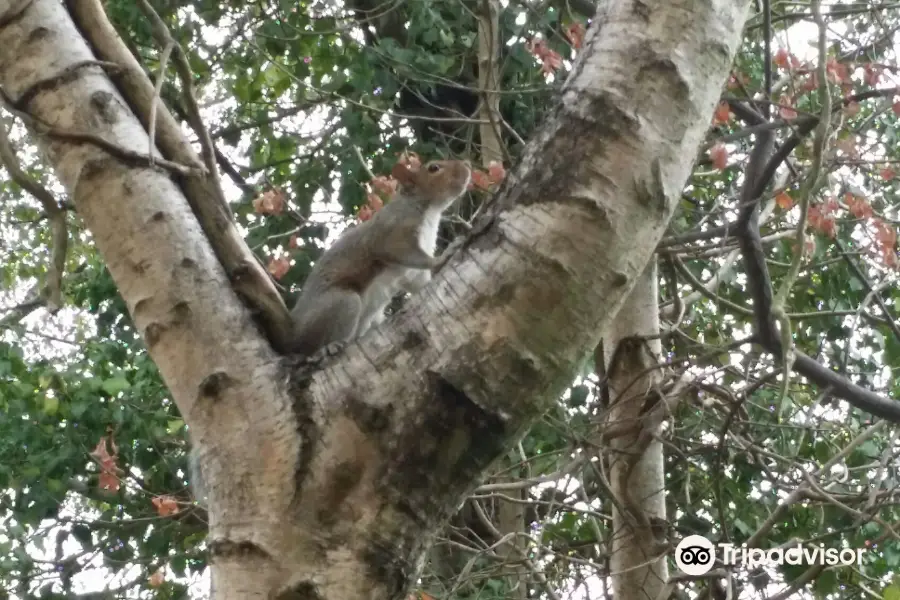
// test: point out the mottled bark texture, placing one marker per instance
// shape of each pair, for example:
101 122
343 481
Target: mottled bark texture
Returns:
330 486
634 452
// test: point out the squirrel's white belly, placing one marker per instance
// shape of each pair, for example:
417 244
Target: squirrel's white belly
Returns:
395 279
428 231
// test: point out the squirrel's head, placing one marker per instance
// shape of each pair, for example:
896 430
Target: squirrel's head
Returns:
438 182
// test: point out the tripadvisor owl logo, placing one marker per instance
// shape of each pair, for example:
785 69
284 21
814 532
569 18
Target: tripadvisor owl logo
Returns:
695 555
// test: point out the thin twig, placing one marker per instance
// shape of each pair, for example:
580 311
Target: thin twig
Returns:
794 496
362 161
162 34
808 188
55 213
157 90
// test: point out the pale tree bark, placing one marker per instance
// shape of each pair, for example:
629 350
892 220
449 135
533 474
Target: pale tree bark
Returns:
634 453
489 80
510 515
331 485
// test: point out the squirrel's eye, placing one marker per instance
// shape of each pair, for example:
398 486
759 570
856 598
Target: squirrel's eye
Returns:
434 168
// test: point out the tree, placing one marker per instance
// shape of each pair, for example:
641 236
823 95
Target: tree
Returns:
333 482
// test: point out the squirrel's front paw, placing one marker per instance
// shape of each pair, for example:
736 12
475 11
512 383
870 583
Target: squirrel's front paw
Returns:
317 359
333 349
326 352
447 254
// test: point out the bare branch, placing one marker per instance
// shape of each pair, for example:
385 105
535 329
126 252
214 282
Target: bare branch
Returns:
161 32
84 137
205 196
57 216
163 64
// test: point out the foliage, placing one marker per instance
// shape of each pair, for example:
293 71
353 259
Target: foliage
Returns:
295 93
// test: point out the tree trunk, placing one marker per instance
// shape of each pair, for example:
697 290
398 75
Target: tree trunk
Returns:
489 81
635 454
330 485
511 525
510 515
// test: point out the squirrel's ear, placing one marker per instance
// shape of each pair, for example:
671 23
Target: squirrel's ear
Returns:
402 173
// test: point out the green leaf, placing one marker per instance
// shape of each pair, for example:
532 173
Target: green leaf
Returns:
51 405
274 75
178 564
891 556
826 582
78 408
743 527
114 385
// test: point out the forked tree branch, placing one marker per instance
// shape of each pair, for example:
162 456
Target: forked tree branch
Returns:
248 276
760 170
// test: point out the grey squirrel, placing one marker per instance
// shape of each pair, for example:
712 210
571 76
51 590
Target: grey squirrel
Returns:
354 280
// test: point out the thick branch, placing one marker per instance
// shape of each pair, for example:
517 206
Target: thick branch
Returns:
758 174
248 276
